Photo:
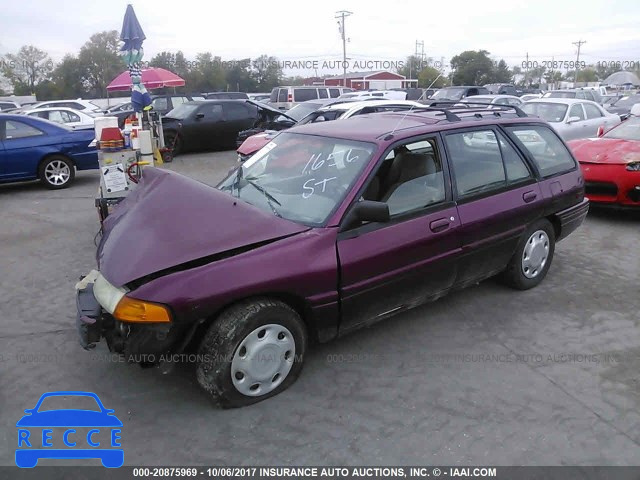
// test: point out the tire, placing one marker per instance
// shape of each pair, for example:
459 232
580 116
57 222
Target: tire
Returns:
173 141
56 172
524 273
232 345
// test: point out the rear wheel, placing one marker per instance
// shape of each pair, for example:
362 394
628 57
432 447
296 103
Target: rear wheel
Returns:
532 259
56 172
253 351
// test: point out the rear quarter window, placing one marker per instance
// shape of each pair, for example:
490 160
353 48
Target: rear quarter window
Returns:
549 153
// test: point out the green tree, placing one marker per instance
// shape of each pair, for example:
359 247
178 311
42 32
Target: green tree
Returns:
100 62
431 77
502 73
472 68
412 66
266 72
588 74
238 75
27 68
166 60
67 78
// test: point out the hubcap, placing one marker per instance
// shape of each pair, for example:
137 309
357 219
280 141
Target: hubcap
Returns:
57 172
536 252
263 360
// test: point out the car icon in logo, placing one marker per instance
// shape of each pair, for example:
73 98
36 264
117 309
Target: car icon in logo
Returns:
36 433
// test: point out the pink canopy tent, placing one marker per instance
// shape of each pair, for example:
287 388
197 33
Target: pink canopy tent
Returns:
151 78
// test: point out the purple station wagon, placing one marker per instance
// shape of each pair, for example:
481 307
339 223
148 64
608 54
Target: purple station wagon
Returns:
328 228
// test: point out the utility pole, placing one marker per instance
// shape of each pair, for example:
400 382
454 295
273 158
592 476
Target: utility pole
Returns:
341 15
579 43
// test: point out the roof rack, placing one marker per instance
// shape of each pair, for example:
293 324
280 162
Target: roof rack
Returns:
467 105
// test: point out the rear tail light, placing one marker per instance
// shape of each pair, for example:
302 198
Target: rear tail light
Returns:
290 98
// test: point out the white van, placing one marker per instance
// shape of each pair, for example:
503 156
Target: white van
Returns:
288 96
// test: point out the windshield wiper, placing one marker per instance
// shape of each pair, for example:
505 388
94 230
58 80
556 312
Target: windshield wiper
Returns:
270 198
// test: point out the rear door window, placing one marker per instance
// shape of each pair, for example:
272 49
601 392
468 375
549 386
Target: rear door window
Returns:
549 154
592 111
322 93
334 92
235 111
304 94
160 103
211 111
283 95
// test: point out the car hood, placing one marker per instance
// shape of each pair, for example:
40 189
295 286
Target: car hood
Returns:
173 222
276 112
604 150
256 142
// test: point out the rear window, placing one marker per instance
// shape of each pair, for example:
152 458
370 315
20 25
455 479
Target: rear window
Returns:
304 94
550 155
274 95
561 95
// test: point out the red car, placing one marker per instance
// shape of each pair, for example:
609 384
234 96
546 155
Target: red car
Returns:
611 164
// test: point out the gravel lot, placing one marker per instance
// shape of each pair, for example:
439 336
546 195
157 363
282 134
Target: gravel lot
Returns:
485 376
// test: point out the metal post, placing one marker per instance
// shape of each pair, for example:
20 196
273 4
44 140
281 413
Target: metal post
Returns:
341 15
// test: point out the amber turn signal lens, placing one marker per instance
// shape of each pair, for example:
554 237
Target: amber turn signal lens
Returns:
138 311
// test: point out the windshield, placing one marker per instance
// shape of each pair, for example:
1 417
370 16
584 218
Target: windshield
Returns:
449 94
302 110
627 130
302 178
182 111
628 101
322 116
551 112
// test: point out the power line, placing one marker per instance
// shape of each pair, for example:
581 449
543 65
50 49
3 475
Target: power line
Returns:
341 15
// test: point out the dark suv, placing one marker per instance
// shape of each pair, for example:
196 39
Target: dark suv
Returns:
501 89
328 228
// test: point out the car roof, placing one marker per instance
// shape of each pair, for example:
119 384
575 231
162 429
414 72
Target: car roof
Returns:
566 101
47 109
373 127
370 103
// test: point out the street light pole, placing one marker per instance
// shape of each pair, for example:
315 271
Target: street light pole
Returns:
341 16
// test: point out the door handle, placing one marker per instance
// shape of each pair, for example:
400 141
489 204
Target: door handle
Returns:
529 196
439 225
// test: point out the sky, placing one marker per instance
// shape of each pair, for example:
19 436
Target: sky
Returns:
297 31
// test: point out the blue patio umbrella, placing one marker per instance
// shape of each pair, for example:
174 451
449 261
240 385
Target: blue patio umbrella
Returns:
131 53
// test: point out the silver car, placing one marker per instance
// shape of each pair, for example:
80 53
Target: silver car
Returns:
494 99
570 117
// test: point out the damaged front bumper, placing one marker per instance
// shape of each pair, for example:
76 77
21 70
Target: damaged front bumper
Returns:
135 341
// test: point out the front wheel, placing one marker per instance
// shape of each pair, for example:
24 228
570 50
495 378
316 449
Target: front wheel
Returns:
253 351
56 172
532 259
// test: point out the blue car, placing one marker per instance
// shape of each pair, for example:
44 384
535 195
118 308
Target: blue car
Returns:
33 148
34 444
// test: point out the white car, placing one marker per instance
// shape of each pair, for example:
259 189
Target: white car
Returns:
495 99
84 106
530 96
67 116
381 94
572 118
348 109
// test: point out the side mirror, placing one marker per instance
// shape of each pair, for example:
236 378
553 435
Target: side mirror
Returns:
366 211
600 131
199 116
573 119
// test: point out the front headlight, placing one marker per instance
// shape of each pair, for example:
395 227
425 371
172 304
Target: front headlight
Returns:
633 166
106 294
